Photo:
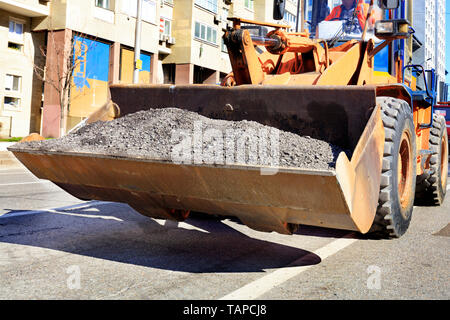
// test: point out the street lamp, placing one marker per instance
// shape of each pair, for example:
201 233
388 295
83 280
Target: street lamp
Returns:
137 44
298 16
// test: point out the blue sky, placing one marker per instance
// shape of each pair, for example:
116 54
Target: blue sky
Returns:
447 41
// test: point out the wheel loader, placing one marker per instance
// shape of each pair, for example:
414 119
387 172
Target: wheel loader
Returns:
341 81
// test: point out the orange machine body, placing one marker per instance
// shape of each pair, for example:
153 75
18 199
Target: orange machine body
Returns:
300 60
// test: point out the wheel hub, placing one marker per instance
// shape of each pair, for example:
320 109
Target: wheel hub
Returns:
404 171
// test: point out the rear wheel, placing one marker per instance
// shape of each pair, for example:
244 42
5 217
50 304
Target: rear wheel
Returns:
431 186
398 177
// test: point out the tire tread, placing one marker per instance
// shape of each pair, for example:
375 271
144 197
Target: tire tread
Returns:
385 224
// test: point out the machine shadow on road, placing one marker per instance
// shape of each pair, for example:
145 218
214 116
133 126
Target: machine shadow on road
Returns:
115 232
304 230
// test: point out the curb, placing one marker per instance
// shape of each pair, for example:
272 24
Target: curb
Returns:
7 158
5 145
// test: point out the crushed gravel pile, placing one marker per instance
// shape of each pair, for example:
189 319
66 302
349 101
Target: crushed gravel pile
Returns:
181 136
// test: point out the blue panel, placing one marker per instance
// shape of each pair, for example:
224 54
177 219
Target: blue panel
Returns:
382 60
145 62
93 60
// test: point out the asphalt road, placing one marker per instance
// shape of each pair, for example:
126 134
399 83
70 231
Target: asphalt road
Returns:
53 246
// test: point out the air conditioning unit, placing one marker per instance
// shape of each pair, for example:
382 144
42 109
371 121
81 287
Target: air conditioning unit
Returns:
162 37
171 40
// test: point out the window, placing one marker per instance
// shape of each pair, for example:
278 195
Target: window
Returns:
11 103
14 46
223 47
209 35
206 33
197 30
12 87
15 31
224 14
103 10
210 5
290 19
165 26
169 73
148 12
248 4
12 82
102 4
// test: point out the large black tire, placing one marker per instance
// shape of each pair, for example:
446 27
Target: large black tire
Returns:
432 186
398 176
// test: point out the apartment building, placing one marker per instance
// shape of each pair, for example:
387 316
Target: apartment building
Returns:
101 36
199 55
95 36
20 89
181 43
429 24
440 10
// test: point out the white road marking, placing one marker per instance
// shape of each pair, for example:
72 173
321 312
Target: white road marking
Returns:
14 169
47 210
15 172
448 187
178 224
84 215
266 283
20 183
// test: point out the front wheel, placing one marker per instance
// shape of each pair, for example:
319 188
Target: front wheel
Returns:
432 187
398 176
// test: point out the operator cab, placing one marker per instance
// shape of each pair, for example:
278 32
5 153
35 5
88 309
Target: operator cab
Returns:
338 21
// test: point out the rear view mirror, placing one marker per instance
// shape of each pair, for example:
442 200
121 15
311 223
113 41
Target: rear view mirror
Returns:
278 9
388 4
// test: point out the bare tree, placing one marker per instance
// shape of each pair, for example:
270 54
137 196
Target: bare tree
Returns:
69 57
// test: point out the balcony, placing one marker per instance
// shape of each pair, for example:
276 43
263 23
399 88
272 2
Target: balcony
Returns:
28 8
104 14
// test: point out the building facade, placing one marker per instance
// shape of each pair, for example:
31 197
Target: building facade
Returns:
98 37
429 24
440 10
20 89
79 47
199 55
181 43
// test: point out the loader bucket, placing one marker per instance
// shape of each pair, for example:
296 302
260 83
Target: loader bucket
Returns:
344 198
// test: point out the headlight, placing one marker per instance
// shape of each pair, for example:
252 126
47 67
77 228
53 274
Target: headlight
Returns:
392 29
384 27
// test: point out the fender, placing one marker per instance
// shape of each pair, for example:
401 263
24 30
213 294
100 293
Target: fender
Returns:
399 91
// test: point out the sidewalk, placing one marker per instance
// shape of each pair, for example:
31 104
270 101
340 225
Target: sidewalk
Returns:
7 159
